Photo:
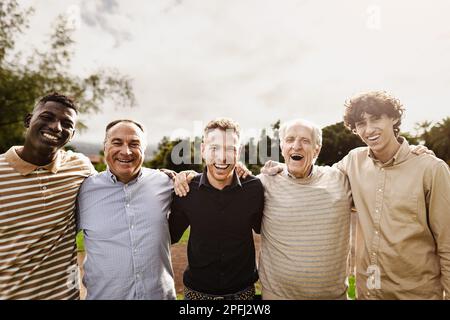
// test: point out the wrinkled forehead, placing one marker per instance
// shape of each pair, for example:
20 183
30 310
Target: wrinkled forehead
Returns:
221 137
299 130
125 131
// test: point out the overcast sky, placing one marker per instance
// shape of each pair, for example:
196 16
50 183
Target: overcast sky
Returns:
257 61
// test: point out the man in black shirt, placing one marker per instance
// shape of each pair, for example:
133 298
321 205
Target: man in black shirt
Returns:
222 210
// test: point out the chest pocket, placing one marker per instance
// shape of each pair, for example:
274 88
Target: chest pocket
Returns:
403 207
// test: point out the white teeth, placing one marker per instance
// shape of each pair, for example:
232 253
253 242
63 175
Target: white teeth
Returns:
124 161
221 166
373 138
48 136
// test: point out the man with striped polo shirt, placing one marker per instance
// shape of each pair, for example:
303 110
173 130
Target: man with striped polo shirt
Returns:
39 182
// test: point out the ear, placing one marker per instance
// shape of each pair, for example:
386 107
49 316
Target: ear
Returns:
73 134
27 120
202 149
317 151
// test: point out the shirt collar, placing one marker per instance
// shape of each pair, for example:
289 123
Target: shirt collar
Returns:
114 179
25 168
205 182
400 156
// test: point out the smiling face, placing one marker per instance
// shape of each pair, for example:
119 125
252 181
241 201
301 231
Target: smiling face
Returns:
220 151
50 127
124 150
378 133
299 149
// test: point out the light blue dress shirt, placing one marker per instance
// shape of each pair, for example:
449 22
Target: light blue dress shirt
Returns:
126 236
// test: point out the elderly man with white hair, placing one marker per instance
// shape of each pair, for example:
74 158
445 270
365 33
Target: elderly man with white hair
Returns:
306 223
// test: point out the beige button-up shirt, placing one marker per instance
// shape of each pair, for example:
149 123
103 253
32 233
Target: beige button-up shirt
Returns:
403 233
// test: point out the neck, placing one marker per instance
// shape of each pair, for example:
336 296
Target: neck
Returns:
219 184
388 153
301 175
36 156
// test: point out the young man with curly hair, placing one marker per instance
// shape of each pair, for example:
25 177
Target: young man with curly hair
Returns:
403 201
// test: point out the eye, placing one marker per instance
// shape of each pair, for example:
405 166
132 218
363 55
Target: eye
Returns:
45 117
68 125
289 139
306 141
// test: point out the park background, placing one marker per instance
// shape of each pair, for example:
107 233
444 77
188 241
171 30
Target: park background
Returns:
176 64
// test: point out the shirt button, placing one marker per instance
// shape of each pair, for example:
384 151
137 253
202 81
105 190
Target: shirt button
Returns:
44 188
376 210
376 232
132 226
379 190
128 205
374 253
368 293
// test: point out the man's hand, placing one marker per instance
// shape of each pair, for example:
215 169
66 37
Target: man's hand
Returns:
419 149
242 171
181 182
172 174
272 168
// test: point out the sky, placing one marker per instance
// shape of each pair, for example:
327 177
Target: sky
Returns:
255 61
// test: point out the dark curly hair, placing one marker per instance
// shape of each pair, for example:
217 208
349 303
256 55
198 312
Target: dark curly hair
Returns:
60 98
375 103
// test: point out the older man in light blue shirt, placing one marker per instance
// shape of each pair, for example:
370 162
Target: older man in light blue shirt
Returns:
123 212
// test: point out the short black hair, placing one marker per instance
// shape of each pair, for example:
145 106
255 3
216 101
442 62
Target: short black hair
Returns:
60 98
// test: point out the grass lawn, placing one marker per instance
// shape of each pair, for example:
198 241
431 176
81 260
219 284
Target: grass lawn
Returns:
80 241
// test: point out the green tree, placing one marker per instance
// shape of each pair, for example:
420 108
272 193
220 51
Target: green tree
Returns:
337 141
24 79
177 155
438 139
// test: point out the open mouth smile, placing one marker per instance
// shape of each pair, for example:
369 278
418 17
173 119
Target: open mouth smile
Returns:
125 161
51 137
296 157
373 138
221 166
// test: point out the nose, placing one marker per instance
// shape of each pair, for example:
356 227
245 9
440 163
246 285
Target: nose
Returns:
221 156
125 150
370 127
297 145
55 126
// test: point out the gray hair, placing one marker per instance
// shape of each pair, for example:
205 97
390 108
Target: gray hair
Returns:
137 124
316 131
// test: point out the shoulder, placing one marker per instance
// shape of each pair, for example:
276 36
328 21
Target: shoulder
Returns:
156 177
329 172
431 163
252 182
94 181
76 159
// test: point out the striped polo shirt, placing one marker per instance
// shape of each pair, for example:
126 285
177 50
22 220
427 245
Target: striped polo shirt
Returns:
37 226
305 235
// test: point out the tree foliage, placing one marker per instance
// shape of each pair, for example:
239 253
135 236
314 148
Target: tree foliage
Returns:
23 79
337 141
437 138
